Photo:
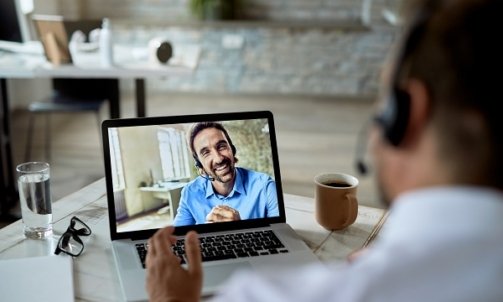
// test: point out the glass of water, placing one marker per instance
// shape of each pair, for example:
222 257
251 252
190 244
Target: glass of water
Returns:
35 198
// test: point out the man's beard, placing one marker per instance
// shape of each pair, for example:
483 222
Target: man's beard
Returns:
230 165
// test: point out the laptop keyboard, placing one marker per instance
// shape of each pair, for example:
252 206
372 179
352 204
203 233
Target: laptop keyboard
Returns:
228 246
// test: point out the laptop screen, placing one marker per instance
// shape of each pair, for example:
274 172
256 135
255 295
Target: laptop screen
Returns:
204 172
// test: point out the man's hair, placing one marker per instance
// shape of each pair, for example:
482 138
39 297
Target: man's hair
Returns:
198 127
458 58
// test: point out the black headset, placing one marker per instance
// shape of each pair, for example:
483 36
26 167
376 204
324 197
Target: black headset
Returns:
393 119
395 116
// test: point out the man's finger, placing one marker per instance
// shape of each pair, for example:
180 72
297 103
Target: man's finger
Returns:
209 217
151 248
161 241
193 253
223 212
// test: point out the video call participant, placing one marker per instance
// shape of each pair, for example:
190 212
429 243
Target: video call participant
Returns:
224 192
438 158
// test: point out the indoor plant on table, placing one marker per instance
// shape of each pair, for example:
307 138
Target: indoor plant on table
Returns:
213 9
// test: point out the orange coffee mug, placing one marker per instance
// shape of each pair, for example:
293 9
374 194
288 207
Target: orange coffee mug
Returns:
335 197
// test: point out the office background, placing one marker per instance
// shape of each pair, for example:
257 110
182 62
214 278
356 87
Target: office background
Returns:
315 64
306 47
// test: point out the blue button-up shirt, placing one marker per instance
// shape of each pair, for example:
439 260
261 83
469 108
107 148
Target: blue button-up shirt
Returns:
253 195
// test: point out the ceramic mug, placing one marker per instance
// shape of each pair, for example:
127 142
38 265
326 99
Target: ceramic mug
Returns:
335 197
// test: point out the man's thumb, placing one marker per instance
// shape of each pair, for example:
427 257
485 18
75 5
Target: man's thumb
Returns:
193 253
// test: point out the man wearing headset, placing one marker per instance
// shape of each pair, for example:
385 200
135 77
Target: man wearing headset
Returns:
224 192
437 149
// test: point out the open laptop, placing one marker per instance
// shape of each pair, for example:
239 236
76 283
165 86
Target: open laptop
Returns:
153 180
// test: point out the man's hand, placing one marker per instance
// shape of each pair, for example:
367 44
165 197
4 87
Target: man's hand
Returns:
167 280
357 254
222 213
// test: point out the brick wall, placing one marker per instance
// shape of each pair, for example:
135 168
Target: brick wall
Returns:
274 59
162 10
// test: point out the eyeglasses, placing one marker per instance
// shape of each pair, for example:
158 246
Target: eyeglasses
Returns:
70 242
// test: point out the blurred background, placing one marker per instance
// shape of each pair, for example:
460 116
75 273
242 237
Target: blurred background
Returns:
314 63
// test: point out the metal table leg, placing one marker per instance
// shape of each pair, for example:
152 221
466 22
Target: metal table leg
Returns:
8 192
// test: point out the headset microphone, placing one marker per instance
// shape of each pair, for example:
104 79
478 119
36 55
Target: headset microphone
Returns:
207 177
361 166
203 173
361 147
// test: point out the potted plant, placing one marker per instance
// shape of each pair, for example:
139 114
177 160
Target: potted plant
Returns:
212 9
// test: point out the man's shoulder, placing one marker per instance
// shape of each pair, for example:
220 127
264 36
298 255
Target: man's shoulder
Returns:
254 175
194 185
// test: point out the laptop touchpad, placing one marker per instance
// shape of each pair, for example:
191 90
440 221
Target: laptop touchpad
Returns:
215 275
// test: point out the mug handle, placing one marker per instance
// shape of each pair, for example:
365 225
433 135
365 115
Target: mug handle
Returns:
352 209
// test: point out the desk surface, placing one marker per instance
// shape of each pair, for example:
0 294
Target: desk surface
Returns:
127 65
94 270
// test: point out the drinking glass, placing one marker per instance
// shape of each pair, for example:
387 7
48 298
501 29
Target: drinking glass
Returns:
35 198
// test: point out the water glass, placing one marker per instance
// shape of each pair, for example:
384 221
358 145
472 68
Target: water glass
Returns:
35 199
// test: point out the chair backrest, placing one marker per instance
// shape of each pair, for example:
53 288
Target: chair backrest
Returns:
86 88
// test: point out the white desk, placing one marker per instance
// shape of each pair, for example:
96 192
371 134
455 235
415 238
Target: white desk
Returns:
94 270
168 192
127 66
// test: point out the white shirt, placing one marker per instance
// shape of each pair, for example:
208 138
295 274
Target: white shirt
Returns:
439 244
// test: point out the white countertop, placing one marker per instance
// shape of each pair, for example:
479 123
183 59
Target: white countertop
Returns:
94 271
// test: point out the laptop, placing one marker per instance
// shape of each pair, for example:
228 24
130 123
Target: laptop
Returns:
154 180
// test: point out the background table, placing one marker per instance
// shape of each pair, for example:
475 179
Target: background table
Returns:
94 271
22 66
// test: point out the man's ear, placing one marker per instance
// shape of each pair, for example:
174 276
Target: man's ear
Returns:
202 171
420 106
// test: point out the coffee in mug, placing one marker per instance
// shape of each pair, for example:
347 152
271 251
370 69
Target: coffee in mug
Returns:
338 184
335 197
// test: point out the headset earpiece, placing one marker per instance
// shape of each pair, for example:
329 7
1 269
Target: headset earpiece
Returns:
197 163
395 116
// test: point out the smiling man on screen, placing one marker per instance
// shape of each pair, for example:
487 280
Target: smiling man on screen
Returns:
224 192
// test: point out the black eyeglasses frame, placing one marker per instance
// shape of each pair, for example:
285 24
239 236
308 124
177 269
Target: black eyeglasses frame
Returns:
72 232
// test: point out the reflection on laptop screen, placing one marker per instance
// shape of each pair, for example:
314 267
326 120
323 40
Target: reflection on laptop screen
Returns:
192 173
